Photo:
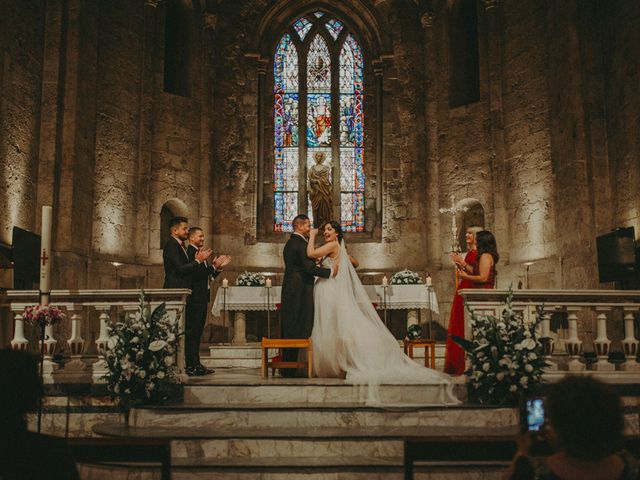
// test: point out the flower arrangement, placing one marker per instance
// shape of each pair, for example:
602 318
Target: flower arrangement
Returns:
405 277
141 357
43 315
250 279
414 332
506 356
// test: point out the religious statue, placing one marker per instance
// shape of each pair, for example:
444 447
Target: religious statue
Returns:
320 191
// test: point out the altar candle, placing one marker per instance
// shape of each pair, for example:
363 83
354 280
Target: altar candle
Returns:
225 283
268 283
429 282
45 250
385 281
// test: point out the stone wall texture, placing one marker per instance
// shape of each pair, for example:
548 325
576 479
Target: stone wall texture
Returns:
551 149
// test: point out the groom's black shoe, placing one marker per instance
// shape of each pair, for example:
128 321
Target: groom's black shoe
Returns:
205 370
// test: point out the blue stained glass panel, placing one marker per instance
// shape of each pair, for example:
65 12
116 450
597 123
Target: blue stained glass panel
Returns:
352 211
286 208
319 14
286 141
334 27
352 179
286 120
302 27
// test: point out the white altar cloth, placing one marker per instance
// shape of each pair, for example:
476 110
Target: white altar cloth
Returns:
399 297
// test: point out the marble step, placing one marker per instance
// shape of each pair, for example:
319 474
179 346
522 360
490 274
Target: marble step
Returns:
302 390
315 416
250 355
296 468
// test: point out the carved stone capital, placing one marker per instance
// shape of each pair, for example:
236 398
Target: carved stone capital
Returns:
152 3
426 20
489 4
210 21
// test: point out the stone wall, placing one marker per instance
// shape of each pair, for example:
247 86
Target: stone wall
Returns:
550 150
622 100
21 63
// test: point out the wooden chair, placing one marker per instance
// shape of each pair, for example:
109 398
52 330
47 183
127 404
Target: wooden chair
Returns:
282 343
429 350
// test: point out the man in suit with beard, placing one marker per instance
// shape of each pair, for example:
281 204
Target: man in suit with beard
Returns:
297 288
197 305
180 270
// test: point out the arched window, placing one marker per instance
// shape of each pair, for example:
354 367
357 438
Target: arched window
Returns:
318 73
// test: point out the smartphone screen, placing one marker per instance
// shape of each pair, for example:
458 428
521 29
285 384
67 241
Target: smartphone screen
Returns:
535 414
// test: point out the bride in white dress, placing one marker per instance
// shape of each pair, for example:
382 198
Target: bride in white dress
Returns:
349 339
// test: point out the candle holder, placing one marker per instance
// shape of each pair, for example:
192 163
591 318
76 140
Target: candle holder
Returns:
429 287
224 287
384 302
268 286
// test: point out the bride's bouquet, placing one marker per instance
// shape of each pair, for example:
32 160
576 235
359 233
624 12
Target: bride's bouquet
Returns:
405 277
250 279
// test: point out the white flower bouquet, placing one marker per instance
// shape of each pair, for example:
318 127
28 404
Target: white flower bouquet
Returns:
250 279
405 277
141 355
506 356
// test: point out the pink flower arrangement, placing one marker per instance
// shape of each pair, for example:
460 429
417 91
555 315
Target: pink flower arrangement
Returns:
43 315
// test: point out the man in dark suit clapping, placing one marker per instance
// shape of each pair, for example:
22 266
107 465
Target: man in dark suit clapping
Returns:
198 302
180 270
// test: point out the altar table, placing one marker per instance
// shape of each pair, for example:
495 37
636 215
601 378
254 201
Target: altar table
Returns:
398 297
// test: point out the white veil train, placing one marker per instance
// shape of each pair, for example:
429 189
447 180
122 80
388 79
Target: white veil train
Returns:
348 336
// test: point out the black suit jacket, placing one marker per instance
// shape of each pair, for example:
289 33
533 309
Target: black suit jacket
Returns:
200 281
297 289
178 269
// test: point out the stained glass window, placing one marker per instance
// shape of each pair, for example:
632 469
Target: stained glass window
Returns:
351 137
302 26
286 121
325 100
335 27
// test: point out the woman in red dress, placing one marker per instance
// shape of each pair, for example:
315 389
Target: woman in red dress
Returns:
454 355
475 271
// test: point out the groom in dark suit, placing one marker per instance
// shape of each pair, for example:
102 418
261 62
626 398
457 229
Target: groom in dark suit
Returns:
297 288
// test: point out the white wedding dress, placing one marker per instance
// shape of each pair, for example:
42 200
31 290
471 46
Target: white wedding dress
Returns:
349 337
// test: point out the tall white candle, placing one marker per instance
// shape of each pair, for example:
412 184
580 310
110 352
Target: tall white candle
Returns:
225 283
429 281
385 281
45 250
268 283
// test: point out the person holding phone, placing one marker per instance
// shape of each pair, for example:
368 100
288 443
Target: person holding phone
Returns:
584 425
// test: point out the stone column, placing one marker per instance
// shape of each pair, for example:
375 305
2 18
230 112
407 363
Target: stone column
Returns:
602 343
630 343
573 344
434 242
100 368
19 341
239 329
495 80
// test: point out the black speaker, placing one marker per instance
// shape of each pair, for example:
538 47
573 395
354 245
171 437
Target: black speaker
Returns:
617 255
26 259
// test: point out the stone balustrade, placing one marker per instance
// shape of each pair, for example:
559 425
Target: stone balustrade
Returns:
87 364
605 312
